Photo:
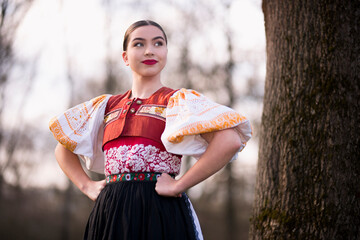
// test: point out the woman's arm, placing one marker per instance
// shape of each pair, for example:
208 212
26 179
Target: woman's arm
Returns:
71 166
222 147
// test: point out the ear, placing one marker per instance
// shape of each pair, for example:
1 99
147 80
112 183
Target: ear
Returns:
125 58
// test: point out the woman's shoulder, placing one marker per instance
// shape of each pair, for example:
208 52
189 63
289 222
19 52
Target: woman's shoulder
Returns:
166 91
162 95
186 96
115 99
186 92
182 93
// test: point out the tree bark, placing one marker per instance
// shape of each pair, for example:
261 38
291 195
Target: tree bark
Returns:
309 170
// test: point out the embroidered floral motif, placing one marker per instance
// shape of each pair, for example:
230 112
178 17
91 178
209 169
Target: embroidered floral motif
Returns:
140 158
156 111
121 177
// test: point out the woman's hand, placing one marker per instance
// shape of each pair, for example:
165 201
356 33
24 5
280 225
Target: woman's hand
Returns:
70 164
93 189
167 186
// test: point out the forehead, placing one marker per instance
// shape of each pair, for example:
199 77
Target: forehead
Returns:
146 32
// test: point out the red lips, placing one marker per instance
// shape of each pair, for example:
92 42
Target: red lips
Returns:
149 62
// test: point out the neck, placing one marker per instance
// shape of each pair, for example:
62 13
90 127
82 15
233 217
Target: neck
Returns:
143 87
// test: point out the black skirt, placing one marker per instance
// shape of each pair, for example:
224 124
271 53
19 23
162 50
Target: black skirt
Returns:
133 211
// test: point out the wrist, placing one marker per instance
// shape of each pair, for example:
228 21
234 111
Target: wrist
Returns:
85 186
179 187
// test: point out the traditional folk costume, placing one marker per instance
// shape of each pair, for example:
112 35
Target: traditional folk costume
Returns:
133 141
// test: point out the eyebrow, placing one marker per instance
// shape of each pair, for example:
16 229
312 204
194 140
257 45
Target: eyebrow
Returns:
143 39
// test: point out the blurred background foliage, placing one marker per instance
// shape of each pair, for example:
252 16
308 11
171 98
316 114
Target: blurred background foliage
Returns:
56 54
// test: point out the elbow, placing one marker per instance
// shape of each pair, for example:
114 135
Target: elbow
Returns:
236 144
58 150
233 142
228 140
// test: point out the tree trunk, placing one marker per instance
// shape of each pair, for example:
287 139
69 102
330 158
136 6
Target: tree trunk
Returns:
309 170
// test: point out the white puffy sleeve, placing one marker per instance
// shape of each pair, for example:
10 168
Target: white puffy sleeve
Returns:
80 129
190 114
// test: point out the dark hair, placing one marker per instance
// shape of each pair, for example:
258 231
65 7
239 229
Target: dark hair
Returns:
137 25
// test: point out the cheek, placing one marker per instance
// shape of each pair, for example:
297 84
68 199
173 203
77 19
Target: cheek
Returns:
131 58
164 54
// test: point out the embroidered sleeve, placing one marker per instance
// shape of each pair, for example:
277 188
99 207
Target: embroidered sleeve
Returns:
190 114
80 129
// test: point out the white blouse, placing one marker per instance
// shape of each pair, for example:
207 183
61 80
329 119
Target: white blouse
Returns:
188 114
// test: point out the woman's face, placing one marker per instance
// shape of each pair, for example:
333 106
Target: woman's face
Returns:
146 51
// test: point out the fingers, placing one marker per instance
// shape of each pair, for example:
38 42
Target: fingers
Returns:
95 189
103 183
165 186
164 176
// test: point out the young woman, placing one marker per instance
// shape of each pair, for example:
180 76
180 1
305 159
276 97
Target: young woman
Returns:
137 138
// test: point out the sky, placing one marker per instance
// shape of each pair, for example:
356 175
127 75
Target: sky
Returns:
54 31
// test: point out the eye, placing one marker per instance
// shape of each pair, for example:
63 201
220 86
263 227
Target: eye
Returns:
159 43
138 44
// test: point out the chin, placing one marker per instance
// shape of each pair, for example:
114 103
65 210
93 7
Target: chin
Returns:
150 73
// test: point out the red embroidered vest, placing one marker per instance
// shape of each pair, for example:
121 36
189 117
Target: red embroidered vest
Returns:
136 117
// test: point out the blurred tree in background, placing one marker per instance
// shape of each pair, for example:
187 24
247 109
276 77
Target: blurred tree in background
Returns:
204 54
12 13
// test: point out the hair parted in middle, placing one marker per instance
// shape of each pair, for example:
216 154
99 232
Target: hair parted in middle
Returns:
138 24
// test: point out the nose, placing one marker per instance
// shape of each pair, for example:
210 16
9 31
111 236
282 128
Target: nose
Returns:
149 51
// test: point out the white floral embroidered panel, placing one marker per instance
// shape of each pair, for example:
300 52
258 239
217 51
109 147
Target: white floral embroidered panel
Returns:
140 158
